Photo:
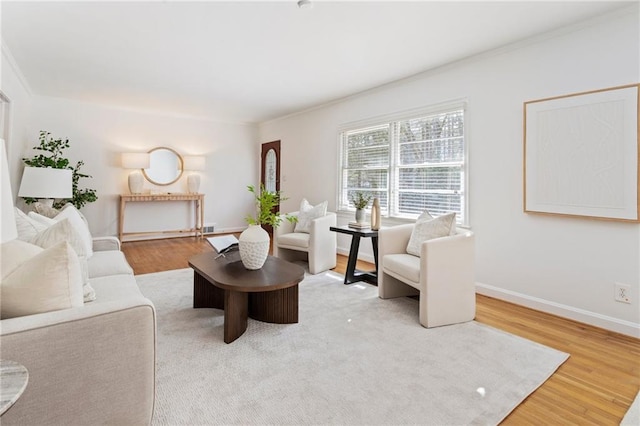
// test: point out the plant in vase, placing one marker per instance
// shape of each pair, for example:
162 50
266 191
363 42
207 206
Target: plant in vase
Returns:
360 200
254 241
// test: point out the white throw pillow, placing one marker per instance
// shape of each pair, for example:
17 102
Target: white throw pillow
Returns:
75 218
428 229
426 215
46 221
14 253
60 231
49 281
27 227
307 213
63 231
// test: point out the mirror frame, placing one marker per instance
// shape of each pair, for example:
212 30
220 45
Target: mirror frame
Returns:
180 168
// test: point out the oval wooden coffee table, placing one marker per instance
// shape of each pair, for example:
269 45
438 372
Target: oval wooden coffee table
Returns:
269 294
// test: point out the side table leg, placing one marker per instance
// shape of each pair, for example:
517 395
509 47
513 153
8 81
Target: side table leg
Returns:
374 244
353 258
236 311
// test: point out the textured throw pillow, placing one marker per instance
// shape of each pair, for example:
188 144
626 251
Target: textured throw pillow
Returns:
27 227
63 231
14 253
45 210
75 218
307 213
428 229
49 281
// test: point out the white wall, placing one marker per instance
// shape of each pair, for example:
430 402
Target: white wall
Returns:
558 264
99 134
18 91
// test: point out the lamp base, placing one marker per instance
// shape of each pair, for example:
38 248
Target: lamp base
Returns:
193 183
136 182
46 201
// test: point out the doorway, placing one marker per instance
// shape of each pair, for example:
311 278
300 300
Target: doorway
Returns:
270 171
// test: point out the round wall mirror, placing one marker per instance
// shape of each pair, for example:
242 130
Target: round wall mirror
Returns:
165 166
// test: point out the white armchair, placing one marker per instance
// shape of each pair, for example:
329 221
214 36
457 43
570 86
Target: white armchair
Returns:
443 275
319 246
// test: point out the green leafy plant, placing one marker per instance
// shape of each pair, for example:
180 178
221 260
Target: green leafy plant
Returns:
52 156
360 199
266 201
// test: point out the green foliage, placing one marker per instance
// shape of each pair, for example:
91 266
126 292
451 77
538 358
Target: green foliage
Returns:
55 159
360 199
266 201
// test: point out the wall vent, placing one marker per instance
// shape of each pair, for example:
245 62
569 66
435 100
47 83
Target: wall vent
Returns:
209 228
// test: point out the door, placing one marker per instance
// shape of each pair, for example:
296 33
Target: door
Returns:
270 171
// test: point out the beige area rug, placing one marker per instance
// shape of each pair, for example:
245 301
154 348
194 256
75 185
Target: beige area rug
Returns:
352 359
632 418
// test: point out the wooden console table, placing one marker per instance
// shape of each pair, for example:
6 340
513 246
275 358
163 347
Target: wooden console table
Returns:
197 199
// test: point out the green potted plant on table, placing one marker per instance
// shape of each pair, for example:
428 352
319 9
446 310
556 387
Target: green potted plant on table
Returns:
254 241
360 200
52 156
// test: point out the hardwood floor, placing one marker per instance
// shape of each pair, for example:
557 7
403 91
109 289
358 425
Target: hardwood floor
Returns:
596 385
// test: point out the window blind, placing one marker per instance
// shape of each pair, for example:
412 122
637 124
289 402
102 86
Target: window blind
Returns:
411 165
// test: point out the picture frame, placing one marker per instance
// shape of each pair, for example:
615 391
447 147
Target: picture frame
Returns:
581 155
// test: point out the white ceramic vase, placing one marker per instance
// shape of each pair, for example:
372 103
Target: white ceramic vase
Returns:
359 215
254 247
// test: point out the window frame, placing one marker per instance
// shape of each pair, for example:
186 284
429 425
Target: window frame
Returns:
391 120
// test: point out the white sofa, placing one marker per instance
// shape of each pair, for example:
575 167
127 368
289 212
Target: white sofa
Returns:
443 274
90 364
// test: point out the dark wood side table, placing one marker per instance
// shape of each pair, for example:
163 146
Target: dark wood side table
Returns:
269 294
352 275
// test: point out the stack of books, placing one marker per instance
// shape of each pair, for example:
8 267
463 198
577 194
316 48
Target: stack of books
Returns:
357 225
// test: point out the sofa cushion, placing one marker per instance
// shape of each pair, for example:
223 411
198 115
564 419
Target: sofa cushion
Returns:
307 213
403 265
14 253
115 287
427 229
294 239
110 262
49 281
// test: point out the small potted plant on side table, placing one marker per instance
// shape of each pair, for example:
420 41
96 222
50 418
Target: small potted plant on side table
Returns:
360 200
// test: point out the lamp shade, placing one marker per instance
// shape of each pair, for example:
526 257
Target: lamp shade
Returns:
45 182
136 160
9 230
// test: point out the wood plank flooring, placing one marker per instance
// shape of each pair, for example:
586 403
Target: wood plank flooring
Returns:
595 386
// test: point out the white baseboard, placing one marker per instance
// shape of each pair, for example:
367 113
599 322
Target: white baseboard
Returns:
592 318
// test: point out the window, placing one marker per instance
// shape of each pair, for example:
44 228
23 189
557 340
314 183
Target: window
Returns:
411 164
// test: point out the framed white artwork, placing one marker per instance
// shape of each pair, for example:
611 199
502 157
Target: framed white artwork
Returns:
581 155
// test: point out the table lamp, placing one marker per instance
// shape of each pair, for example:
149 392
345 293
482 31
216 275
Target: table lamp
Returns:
137 161
46 184
193 163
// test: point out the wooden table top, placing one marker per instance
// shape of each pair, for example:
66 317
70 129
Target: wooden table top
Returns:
229 273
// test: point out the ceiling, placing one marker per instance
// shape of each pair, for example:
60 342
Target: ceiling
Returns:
254 61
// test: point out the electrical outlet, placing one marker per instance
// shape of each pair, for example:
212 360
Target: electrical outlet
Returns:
622 293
